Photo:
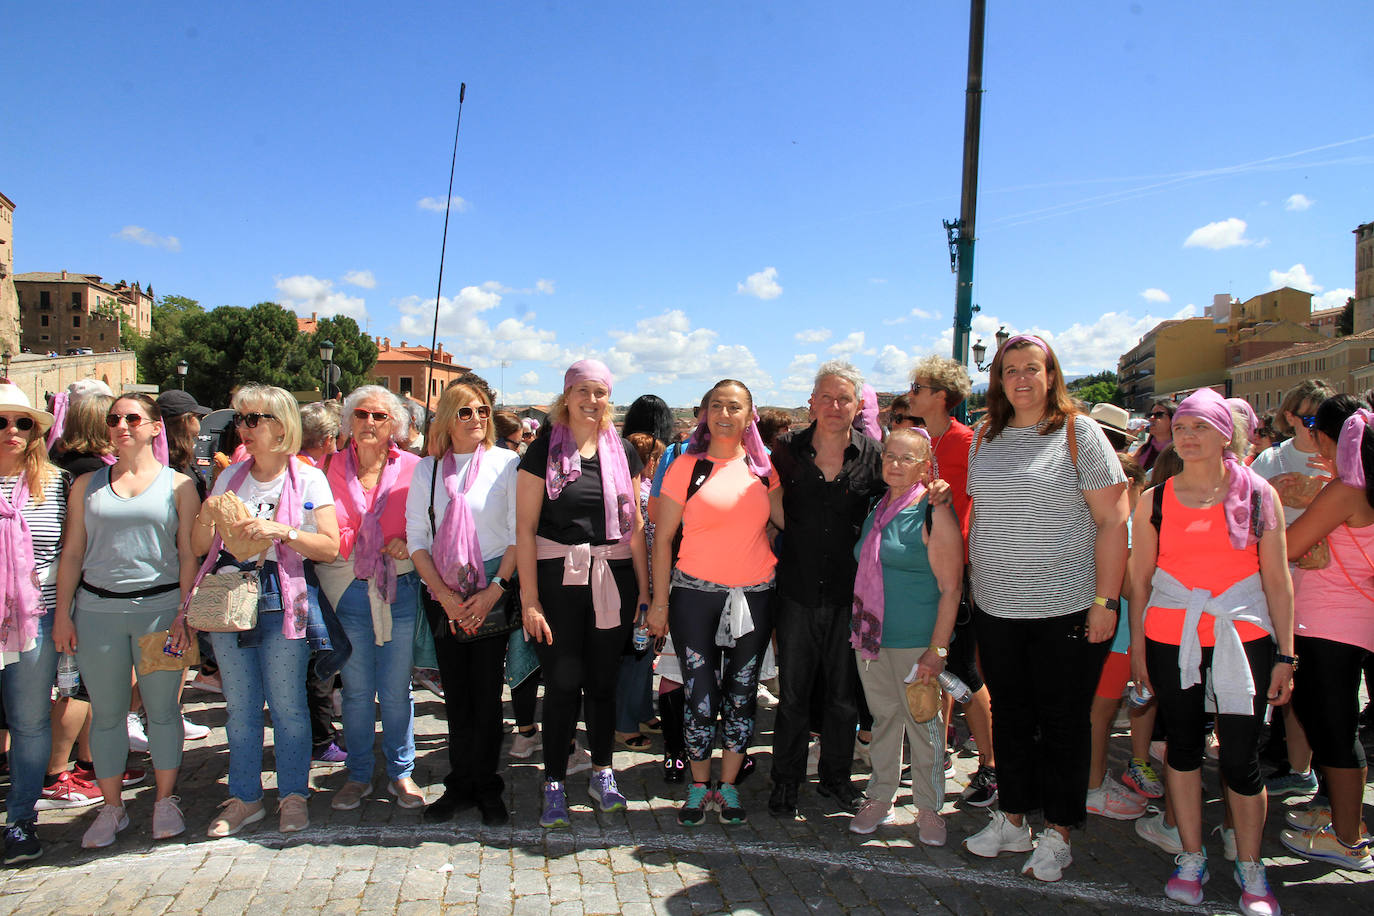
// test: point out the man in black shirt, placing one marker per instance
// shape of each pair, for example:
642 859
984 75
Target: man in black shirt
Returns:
831 474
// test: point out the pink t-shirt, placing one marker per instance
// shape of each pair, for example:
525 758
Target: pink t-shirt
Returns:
1327 604
351 515
724 524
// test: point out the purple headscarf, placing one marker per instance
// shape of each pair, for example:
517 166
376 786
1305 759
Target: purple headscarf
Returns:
866 420
1246 411
565 462
755 452
1249 502
1349 462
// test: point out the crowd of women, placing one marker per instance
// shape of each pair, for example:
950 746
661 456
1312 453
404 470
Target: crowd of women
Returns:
1024 566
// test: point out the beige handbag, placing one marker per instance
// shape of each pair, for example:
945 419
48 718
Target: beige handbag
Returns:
224 602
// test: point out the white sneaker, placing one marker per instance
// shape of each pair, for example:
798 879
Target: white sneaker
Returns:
523 746
1152 829
1115 801
1228 841
766 698
193 732
813 757
1050 858
579 760
999 836
138 738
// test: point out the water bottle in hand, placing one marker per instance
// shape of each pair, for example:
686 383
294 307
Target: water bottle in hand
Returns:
641 637
68 677
955 687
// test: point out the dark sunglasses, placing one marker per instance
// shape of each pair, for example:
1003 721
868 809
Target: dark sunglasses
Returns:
133 419
902 418
1158 416
465 414
23 424
1309 422
251 420
916 388
378 416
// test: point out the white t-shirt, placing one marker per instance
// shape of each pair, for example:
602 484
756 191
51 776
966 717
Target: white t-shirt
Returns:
1285 458
491 501
1032 539
261 497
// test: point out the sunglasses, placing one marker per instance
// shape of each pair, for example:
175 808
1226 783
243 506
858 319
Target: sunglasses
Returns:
23 424
134 420
916 388
465 414
1159 416
1309 422
902 418
251 420
378 416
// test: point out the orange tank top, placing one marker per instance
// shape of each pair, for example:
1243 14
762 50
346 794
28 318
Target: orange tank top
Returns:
1195 548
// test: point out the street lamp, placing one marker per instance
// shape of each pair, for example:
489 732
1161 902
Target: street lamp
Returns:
182 368
327 354
980 349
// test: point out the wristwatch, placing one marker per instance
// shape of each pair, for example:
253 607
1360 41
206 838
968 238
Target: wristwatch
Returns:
942 651
499 582
292 534
1111 604
1286 660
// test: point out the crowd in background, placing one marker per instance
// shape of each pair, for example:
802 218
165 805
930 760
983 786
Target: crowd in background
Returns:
1038 573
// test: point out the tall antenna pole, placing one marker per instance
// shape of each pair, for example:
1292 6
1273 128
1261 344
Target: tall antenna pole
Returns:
961 233
443 248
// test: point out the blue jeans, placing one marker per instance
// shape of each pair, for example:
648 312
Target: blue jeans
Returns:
274 672
379 674
27 686
634 700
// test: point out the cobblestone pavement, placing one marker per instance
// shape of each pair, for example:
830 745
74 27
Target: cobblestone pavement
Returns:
381 859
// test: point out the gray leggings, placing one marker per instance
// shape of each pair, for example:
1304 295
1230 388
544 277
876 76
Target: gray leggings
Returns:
106 651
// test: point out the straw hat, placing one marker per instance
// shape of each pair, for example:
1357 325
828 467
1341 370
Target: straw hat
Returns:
14 400
923 700
1115 422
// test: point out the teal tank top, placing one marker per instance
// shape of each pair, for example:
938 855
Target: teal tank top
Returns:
911 596
131 544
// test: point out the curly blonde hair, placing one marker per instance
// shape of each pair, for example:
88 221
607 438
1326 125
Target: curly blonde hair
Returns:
947 375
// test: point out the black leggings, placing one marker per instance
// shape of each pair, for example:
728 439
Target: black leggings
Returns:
693 617
1326 697
1184 714
471 673
581 660
524 696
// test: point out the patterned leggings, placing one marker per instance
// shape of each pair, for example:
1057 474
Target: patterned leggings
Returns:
693 618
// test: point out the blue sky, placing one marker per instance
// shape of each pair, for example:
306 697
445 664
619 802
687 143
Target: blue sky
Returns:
694 190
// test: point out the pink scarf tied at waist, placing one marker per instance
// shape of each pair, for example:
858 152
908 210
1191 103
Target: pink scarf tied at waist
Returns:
1349 461
370 560
290 565
457 553
583 562
866 625
19 589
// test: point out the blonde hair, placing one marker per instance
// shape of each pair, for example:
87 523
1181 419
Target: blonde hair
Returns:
38 470
84 430
281 405
456 396
920 444
945 375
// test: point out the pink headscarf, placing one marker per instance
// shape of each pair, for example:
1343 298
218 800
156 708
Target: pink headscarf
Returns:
1246 411
1349 460
866 420
1249 502
565 462
19 591
755 452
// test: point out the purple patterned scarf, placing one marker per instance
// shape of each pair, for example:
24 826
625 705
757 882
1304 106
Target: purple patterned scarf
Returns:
370 559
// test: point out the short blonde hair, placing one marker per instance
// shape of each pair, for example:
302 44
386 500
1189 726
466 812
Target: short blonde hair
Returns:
920 444
945 375
456 396
281 405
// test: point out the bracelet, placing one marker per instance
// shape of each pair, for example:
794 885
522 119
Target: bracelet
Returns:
1287 660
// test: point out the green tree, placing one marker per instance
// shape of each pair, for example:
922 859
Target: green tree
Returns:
355 353
1346 325
1099 388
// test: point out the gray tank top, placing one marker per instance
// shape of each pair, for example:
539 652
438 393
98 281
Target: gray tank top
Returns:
131 544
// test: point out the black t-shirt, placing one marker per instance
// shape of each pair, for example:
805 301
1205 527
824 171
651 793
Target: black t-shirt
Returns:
78 463
578 515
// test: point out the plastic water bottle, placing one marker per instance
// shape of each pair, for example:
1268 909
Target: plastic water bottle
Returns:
1139 695
308 516
955 687
641 637
68 677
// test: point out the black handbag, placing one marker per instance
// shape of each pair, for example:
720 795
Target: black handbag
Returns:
503 619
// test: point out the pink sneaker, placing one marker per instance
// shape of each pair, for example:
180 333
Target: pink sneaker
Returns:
1256 897
1185 885
1115 801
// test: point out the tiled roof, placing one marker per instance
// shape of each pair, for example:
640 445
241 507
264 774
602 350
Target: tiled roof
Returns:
55 276
1305 349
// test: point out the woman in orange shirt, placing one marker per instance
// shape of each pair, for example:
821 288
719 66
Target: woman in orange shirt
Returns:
1209 551
721 491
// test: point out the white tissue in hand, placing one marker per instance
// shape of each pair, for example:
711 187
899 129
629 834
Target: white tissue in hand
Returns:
912 676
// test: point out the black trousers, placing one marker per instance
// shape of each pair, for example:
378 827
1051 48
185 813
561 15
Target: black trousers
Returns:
1041 673
472 674
581 665
814 642
1326 697
319 697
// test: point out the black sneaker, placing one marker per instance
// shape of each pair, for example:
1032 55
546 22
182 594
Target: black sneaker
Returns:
449 804
782 801
746 769
982 788
21 842
493 810
848 797
693 810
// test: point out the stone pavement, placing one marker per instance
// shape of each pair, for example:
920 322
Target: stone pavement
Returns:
381 859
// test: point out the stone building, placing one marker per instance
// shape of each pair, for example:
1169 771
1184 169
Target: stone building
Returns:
405 369
61 311
9 300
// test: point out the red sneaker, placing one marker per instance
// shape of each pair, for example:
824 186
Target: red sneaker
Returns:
68 791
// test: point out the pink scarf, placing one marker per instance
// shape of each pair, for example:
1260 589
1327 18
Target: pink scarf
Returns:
59 417
755 452
1249 503
866 420
866 626
370 561
19 591
456 553
1349 462
290 565
565 466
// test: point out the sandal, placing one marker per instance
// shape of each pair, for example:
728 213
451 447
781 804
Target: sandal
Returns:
653 727
633 742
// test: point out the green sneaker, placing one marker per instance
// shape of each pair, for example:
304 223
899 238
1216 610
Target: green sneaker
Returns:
693 810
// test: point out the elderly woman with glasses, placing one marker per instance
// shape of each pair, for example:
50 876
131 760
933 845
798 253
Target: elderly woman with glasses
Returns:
126 561
375 592
289 504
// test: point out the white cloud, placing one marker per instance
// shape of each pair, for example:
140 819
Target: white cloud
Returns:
140 236
482 346
436 204
529 379
891 370
813 335
1154 294
305 294
919 314
801 373
762 285
1331 299
361 278
1297 202
1296 277
667 348
852 344
544 286
1229 233
528 396
540 287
